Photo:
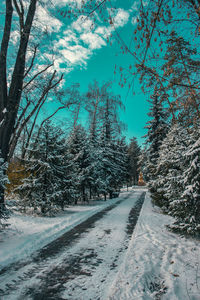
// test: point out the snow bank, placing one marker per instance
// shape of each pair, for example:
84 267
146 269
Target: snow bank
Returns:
158 263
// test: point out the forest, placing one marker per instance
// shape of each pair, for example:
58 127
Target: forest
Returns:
47 166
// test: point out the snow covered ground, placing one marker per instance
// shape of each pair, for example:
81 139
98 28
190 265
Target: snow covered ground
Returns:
27 234
82 270
158 263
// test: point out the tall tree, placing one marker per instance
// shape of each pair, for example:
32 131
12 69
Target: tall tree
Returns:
42 188
166 184
186 206
76 148
156 126
10 94
133 157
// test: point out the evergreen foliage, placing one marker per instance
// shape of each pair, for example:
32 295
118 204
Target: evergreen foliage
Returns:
134 152
59 170
157 127
41 189
166 185
78 154
186 208
175 184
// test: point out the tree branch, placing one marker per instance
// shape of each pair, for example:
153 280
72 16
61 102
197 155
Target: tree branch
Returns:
35 76
32 60
20 14
91 12
154 26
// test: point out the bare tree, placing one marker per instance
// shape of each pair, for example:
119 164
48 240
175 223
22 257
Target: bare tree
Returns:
24 118
10 95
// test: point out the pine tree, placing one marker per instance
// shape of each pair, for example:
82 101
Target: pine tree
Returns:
166 185
186 208
78 151
157 127
111 168
41 190
133 156
122 160
106 170
157 130
143 164
105 166
70 180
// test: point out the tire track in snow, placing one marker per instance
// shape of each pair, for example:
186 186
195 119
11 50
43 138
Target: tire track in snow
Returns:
83 264
30 267
46 281
58 244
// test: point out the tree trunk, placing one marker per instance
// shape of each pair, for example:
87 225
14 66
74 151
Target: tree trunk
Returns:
10 100
3 58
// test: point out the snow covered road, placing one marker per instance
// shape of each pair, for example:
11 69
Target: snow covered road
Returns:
81 264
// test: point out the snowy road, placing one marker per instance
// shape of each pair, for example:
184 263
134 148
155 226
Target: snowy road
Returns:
82 263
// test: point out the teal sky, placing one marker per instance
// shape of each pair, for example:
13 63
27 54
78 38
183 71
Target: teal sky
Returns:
101 63
85 56
101 67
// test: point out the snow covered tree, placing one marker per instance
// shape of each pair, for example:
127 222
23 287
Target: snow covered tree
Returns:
70 180
143 164
78 151
133 156
111 167
122 160
166 185
104 130
41 190
157 127
186 208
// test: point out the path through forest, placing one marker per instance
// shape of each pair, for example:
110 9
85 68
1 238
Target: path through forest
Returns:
82 263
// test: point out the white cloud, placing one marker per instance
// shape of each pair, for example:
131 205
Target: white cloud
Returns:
81 38
93 40
76 54
64 2
134 7
45 21
134 20
121 18
14 37
82 24
104 31
69 38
